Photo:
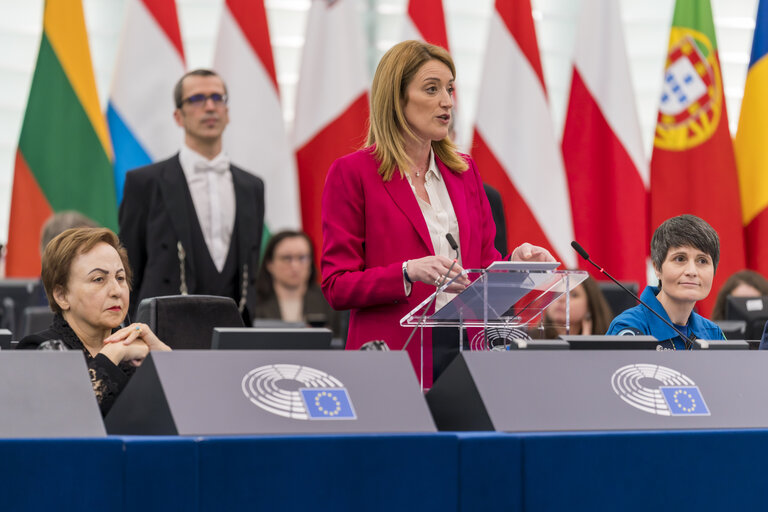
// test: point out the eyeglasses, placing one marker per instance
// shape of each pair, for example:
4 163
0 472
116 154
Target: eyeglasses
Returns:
198 100
288 258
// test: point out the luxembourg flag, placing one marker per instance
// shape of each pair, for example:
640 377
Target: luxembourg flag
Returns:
256 138
426 22
331 103
603 149
150 60
514 143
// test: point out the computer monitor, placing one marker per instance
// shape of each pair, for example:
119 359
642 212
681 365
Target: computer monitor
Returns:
753 310
596 342
250 338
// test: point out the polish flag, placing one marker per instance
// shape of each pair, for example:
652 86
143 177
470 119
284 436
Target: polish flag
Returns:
603 149
256 138
426 22
332 100
514 143
150 60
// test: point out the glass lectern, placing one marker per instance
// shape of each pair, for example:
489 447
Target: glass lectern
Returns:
507 296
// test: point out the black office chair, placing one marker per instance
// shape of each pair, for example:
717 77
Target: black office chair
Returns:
35 319
618 299
187 321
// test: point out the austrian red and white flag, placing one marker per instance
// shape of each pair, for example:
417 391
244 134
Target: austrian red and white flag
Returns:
332 100
514 143
426 22
256 138
607 170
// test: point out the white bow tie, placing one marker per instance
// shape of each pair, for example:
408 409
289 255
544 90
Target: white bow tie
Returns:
220 166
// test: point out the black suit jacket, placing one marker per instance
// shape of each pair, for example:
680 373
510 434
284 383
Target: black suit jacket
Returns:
154 218
497 210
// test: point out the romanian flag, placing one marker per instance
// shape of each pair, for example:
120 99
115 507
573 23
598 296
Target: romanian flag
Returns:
63 158
693 167
751 149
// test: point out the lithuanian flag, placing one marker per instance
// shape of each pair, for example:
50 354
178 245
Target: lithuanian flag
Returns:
693 168
751 148
63 158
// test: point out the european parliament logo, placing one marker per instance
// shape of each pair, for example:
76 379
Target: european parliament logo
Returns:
656 389
684 401
328 404
298 392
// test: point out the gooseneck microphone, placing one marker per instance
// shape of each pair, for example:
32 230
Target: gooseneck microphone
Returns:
439 283
686 340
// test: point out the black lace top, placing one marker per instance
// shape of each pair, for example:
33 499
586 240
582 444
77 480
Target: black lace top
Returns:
108 379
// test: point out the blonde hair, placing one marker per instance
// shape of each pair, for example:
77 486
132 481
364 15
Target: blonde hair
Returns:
388 127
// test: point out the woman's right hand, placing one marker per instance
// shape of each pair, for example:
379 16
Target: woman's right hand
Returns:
431 269
134 353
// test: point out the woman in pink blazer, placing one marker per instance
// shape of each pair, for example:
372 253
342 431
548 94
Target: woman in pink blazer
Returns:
386 208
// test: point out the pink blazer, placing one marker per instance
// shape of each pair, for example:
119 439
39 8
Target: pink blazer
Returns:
370 227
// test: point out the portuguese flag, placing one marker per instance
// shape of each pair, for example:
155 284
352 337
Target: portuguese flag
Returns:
63 158
693 168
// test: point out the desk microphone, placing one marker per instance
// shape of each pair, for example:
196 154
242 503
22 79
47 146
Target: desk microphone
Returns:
686 340
455 247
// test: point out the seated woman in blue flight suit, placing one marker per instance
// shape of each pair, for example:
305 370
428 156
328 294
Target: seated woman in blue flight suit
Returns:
684 251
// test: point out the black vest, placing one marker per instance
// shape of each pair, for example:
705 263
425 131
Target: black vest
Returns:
208 280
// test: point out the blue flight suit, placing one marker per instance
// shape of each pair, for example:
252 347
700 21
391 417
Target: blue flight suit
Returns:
639 321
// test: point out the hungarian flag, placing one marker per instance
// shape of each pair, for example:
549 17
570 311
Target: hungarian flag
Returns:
693 168
150 60
426 22
603 148
63 158
751 148
331 103
256 138
514 143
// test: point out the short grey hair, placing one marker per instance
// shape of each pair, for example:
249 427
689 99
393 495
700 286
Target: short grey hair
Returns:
684 230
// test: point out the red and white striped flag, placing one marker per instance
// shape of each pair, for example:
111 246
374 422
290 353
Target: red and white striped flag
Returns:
256 138
602 147
514 143
332 100
426 22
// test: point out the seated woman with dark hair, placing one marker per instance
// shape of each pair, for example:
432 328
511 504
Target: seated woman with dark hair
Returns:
685 251
86 277
286 284
744 283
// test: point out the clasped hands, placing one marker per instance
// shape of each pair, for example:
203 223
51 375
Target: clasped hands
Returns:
132 343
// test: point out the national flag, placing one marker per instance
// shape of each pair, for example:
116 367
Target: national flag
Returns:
603 149
256 138
150 60
514 143
332 101
426 22
63 161
751 150
693 168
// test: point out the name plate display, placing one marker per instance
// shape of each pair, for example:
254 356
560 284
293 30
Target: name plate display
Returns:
200 392
47 394
523 391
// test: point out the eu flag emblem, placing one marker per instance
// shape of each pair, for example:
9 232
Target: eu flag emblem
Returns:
684 400
328 403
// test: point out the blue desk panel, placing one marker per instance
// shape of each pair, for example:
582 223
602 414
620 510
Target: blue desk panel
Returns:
490 472
61 474
356 473
641 471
